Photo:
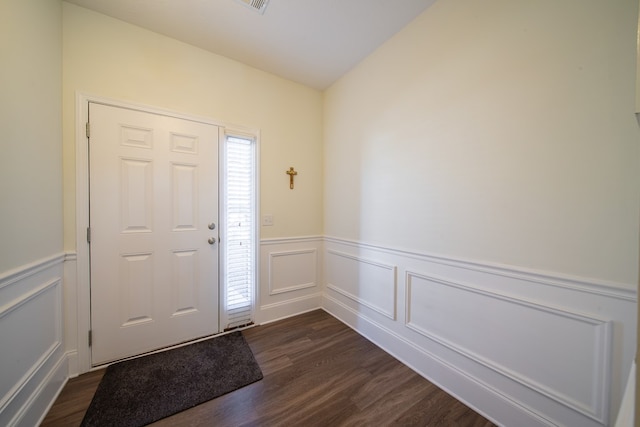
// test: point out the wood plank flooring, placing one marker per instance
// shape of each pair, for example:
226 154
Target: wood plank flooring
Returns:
317 372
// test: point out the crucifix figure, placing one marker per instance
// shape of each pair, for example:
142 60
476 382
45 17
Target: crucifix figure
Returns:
291 174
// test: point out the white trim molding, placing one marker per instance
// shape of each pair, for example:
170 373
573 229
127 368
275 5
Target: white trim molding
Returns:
80 354
369 283
290 240
31 325
522 347
553 279
291 307
297 269
531 351
290 276
26 271
478 395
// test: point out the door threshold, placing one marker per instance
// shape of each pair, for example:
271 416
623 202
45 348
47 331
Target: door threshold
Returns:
174 346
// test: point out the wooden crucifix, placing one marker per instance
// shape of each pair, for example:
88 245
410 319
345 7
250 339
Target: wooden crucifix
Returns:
291 172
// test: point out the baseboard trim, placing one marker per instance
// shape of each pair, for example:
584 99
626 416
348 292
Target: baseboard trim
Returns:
477 395
46 395
35 406
434 330
72 363
291 307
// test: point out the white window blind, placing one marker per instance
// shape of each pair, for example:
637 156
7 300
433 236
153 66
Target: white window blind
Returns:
240 231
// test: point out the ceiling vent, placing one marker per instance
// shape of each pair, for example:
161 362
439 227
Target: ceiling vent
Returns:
258 5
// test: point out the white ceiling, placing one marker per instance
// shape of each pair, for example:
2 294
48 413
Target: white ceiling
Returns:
312 42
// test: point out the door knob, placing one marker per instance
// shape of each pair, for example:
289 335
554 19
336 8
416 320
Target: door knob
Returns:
212 226
211 240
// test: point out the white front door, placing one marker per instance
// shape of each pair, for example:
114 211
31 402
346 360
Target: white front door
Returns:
153 231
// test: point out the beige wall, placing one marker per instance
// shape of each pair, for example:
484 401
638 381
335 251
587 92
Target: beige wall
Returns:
497 131
30 120
109 58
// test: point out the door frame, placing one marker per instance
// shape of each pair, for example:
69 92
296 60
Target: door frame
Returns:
82 277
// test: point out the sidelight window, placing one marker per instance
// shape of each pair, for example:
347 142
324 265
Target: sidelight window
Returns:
239 231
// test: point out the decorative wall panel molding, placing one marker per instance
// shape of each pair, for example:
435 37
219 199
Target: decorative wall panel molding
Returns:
32 356
290 277
367 282
29 313
519 339
562 346
546 349
478 395
292 270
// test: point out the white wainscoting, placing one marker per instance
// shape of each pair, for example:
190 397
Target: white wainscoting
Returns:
70 314
346 273
521 347
290 277
33 361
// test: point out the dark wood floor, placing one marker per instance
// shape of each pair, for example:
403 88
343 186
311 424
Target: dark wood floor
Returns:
317 372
